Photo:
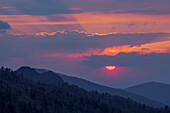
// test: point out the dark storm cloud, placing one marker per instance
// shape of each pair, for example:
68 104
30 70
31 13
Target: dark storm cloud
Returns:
152 60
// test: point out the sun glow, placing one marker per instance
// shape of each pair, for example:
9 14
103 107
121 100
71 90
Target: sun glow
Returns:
110 68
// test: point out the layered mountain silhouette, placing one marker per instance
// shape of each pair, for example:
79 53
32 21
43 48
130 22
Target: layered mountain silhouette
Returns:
19 94
47 76
153 90
35 75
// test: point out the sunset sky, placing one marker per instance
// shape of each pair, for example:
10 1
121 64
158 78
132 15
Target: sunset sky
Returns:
81 37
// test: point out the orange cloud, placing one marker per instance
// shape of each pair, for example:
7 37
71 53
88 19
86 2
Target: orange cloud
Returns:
91 23
158 47
105 23
7 7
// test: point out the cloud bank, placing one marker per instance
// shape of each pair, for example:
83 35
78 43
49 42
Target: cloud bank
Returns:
45 7
152 60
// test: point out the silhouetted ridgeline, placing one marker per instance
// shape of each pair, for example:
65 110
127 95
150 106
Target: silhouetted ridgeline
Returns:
161 91
21 95
46 76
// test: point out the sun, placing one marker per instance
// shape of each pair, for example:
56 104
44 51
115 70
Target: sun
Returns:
110 68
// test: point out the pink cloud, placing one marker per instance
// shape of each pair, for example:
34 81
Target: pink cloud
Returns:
7 7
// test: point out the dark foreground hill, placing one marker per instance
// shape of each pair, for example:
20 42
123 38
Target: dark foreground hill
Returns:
21 95
45 77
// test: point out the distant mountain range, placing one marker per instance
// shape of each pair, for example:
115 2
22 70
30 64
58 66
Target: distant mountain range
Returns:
47 76
153 90
19 94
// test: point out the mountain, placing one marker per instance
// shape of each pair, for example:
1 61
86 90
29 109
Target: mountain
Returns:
35 75
89 86
41 71
153 90
21 95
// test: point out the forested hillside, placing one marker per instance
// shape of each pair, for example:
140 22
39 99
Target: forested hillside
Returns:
21 95
47 76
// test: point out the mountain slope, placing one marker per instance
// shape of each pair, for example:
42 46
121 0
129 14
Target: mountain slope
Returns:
153 90
21 95
90 86
46 76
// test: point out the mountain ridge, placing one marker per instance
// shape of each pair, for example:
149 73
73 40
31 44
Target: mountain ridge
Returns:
153 90
90 86
22 95
46 76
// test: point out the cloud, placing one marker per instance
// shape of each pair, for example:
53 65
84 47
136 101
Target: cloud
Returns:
46 7
42 7
145 11
131 24
73 45
78 42
152 60
145 49
4 25
7 7
60 18
65 52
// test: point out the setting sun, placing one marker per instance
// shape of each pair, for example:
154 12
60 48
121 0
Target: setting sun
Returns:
110 68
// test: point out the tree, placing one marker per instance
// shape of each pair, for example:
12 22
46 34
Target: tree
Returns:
2 68
166 108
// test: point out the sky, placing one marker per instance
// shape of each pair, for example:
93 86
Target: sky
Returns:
81 37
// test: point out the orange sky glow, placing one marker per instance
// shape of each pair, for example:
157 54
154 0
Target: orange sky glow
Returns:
90 23
158 47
